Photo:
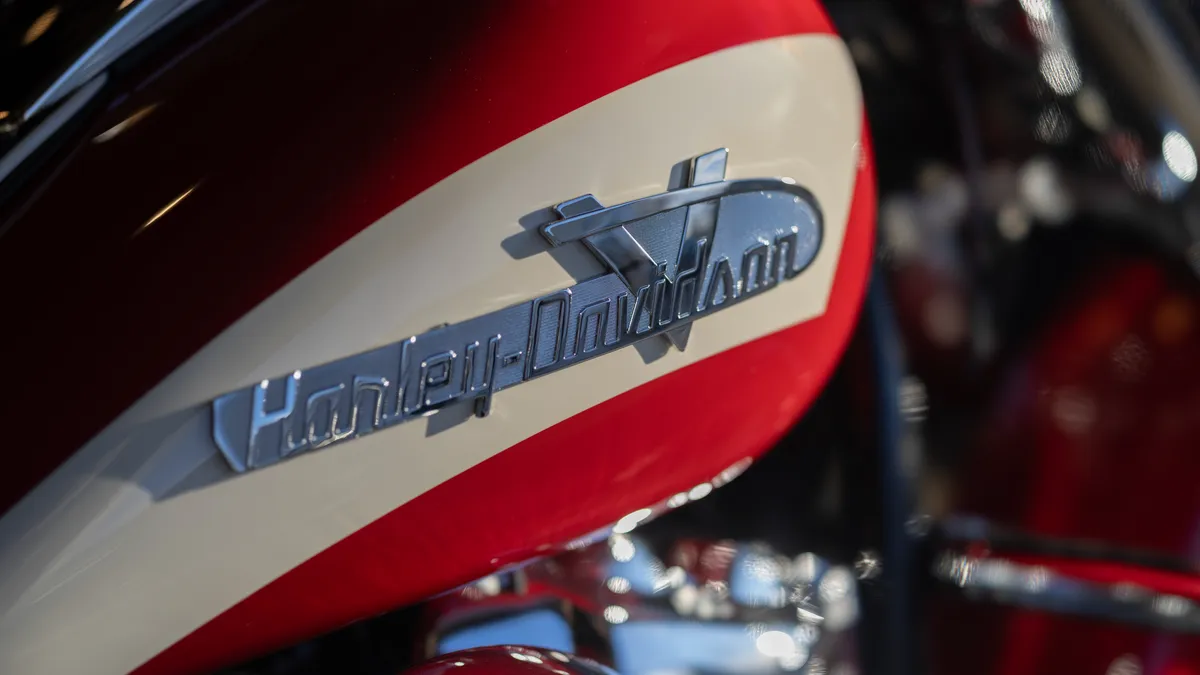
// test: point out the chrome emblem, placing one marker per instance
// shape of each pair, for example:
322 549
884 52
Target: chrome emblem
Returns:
674 257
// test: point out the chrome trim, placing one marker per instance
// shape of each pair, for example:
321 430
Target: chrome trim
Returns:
423 374
595 222
138 22
1008 582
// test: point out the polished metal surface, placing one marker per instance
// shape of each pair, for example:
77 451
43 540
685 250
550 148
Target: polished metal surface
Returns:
511 660
622 252
137 22
1015 583
1077 577
735 240
700 606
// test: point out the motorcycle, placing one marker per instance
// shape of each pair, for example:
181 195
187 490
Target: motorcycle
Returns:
384 314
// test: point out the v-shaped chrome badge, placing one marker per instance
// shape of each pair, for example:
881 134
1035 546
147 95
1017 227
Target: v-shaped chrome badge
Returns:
673 258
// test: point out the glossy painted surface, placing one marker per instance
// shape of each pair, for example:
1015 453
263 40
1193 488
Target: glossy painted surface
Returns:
195 209
382 566
76 549
315 134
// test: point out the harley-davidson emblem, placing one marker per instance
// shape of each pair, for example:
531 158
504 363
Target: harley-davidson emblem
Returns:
674 257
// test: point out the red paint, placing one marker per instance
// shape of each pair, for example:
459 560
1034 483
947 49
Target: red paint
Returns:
1099 429
298 124
532 494
1095 439
976 638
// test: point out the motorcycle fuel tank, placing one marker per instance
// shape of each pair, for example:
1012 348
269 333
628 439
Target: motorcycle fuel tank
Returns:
323 310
